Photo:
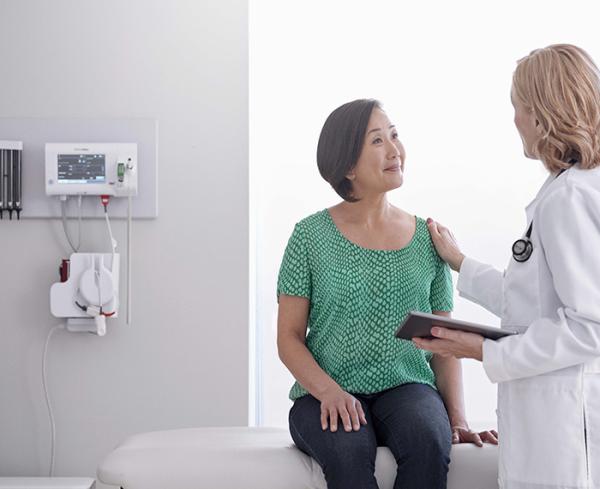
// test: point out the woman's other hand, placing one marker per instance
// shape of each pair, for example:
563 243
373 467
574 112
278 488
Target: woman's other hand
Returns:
337 406
445 244
462 434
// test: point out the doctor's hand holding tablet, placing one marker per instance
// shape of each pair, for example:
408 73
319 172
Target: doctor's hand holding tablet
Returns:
548 375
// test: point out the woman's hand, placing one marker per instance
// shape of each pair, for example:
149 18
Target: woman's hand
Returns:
451 343
445 244
336 404
462 434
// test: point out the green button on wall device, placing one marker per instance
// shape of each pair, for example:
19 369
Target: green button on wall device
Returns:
120 171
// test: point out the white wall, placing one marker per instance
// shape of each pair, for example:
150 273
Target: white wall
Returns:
443 71
184 361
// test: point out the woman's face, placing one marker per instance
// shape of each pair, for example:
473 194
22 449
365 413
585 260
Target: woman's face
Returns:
380 165
526 124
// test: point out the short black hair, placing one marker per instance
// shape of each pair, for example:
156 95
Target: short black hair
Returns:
341 141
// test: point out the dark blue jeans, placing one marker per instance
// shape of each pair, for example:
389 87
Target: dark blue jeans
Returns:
410 419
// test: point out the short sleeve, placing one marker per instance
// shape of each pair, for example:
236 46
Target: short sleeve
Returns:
441 295
294 273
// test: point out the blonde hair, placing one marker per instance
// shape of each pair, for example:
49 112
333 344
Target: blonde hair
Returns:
561 85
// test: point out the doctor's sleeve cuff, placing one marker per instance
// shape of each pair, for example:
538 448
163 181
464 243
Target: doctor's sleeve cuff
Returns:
482 284
492 361
465 276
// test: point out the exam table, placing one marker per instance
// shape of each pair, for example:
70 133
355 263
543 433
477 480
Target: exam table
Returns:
256 458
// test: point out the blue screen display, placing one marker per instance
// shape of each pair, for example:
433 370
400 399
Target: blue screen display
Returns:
88 168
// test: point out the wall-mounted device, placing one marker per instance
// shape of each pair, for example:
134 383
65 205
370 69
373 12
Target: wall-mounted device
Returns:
90 293
103 171
91 169
11 178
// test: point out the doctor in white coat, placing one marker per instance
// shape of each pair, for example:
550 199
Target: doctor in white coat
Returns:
549 375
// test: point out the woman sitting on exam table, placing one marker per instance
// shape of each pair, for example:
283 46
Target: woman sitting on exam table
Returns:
350 275
548 376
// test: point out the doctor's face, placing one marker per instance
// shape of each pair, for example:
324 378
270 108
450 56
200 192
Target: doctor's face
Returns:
526 124
381 162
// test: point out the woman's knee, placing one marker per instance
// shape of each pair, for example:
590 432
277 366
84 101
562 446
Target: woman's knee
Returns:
432 441
350 462
347 458
419 437
429 434
338 450
354 448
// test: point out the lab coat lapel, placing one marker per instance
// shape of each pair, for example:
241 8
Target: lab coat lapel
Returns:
530 209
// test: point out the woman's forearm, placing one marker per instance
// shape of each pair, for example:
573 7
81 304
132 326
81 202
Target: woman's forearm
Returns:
303 366
448 373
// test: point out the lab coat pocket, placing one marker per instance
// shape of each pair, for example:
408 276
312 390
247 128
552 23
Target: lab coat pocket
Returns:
542 417
521 304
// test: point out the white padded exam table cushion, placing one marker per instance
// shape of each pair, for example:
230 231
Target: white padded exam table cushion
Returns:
256 458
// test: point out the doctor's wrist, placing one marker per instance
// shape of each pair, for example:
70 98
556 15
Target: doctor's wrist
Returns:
456 262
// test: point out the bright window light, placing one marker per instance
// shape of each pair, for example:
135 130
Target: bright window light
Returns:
442 70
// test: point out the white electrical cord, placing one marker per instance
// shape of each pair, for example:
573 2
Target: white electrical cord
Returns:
98 283
45 384
113 243
129 259
63 209
101 320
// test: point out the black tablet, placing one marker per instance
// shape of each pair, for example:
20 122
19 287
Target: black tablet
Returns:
419 324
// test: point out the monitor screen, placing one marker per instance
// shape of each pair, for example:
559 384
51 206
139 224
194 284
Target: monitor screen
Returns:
88 168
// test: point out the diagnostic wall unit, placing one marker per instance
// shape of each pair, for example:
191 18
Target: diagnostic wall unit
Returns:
91 169
37 132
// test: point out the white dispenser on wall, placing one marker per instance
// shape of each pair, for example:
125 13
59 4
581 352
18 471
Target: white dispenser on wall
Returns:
90 295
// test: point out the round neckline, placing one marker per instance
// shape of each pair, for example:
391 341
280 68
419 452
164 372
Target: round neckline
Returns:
362 248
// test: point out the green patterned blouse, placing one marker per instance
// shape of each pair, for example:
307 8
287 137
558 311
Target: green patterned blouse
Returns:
358 297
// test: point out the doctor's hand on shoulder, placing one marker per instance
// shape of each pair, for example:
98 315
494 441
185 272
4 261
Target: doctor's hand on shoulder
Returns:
445 244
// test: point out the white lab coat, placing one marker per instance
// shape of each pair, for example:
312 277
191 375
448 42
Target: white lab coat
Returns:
548 376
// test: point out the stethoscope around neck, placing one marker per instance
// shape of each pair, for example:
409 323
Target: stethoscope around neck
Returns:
523 248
